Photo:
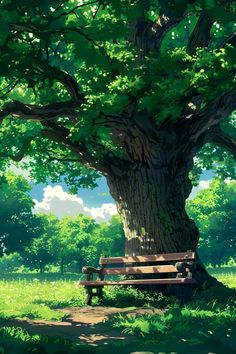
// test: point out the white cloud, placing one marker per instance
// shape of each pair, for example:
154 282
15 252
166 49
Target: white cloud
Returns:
104 213
58 202
202 185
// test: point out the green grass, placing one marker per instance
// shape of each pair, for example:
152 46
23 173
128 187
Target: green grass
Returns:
226 275
35 296
39 296
16 340
207 324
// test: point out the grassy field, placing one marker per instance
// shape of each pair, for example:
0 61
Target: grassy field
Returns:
37 296
209 321
40 296
226 275
205 325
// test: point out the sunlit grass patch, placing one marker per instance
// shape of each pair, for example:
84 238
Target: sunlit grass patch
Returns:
226 275
34 298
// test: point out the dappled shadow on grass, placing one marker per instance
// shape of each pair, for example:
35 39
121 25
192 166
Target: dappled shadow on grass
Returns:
16 340
85 325
41 344
89 337
205 325
216 298
188 331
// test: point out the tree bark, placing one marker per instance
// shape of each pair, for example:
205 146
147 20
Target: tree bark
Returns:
152 206
62 265
151 203
41 267
80 265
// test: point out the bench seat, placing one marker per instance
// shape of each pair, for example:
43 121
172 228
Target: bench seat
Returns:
169 269
138 282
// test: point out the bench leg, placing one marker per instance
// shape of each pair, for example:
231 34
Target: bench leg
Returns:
89 291
186 294
100 292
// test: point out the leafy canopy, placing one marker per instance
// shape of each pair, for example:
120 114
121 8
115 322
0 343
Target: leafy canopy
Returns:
78 78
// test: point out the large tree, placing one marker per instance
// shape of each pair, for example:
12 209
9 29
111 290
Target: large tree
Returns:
130 89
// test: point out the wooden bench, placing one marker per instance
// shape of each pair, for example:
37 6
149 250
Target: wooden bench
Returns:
172 268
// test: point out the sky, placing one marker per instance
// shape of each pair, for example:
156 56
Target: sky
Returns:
97 203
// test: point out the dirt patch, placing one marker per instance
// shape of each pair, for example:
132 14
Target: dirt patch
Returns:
86 324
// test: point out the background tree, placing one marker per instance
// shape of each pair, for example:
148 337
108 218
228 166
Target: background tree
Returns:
109 239
74 242
18 224
42 251
133 90
214 210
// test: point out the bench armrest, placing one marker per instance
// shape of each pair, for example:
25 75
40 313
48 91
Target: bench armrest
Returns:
91 270
185 269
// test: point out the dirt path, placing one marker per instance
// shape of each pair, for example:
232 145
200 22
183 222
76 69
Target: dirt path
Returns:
86 325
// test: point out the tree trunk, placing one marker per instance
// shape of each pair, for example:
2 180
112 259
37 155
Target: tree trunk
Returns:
151 203
41 267
80 265
62 265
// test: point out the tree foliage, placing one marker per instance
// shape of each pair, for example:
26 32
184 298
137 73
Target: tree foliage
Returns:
84 84
214 211
41 251
72 242
18 224
135 90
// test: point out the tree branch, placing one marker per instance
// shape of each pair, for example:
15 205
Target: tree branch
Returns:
61 135
46 115
53 18
218 137
200 36
163 25
67 80
38 113
149 35
198 124
10 87
230 40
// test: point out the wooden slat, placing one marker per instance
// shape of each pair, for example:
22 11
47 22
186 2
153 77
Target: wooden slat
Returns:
141 270
139 282
149 258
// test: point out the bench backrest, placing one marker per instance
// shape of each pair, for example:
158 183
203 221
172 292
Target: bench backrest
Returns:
134 264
